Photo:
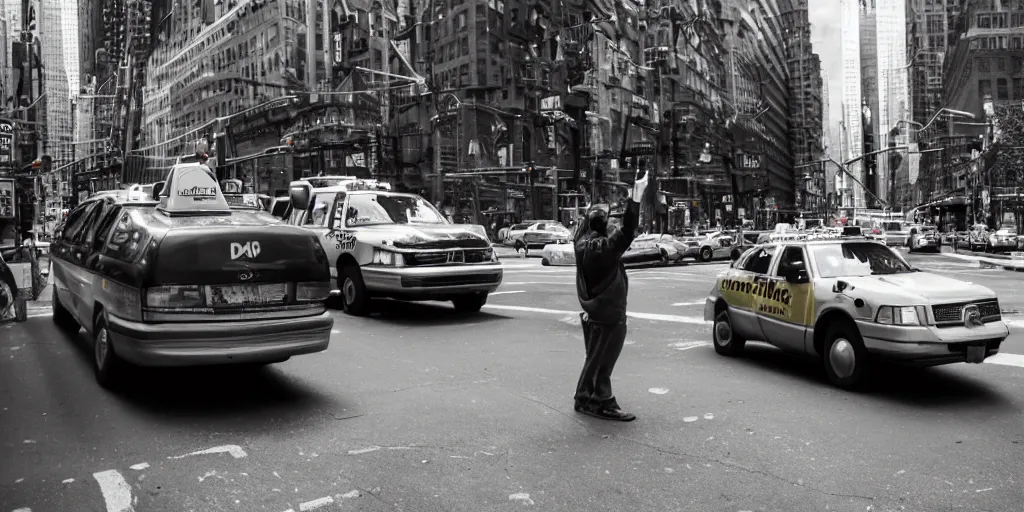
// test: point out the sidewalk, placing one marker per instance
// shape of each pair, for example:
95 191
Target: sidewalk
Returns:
1005 262
43 302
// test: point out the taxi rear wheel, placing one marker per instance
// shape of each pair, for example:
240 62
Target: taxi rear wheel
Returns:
355 299
545 262
727 342
62 317
846 361
109 368
470 303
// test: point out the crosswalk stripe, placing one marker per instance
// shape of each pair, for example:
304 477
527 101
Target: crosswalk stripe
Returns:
117 494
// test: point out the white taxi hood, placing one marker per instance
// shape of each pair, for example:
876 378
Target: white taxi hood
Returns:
424 236
191 189
920 287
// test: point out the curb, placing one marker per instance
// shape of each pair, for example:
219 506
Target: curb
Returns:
1007 264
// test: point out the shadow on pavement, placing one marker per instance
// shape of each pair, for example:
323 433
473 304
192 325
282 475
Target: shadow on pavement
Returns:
426 314
250 398
938 387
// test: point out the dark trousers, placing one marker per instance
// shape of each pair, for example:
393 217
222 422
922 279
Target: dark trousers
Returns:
604 343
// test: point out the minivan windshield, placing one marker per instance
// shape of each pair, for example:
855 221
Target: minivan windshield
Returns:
373 209
851 259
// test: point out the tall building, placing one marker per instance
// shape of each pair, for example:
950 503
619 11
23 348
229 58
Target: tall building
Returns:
805 105
869 78
893 93
59 120
850 195
929 26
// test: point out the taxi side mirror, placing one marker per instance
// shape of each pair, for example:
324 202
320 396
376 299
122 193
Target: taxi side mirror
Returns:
158 187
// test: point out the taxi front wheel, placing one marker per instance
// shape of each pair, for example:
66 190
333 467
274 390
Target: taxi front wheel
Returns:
727 342
846 360
470 303
354 296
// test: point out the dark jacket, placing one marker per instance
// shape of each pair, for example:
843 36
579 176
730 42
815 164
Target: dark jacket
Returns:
601 282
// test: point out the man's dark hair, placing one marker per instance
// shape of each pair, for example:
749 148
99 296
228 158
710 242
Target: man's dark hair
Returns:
597 220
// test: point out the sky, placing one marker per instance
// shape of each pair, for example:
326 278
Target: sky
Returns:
825 37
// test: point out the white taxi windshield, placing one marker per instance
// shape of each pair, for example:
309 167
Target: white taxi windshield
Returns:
857 259
375 209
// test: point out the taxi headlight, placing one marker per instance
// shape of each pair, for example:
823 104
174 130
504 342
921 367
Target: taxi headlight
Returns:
898 315
387 258
489 255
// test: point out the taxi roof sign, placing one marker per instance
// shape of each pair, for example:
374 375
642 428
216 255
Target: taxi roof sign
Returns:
191 189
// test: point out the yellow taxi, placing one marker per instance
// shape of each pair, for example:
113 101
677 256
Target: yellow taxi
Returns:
848 302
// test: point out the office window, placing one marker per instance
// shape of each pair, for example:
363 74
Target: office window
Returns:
1001 64
1018 88
984 88
983 66
1002 90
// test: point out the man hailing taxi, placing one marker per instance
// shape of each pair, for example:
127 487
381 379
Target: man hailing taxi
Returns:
602 286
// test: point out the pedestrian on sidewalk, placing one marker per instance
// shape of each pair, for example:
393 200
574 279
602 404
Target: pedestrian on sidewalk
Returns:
602 286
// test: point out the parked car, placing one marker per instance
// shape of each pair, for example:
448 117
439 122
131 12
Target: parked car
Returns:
650 249
924 238
1002 240
848 303
181 278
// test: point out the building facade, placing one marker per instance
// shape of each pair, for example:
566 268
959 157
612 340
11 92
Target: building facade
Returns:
893 97
57 142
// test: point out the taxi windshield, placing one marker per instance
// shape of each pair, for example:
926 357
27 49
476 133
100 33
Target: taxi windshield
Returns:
857 259
373 209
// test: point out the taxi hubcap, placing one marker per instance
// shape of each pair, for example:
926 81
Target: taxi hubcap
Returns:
723 331
101 347
350 291
842 358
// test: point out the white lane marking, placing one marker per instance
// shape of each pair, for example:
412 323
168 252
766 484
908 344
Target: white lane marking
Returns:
1006 359
658 391
315 504
690 419
709 416
522 497
140 466
25 509
508 292
694 320
29 441
687 345
335 331
364 450
235 451
691 303
351 494
117 494
68 481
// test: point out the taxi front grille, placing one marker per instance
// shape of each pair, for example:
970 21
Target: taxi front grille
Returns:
451 280
446 257
952 314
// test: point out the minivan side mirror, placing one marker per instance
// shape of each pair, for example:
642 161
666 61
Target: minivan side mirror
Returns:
157 188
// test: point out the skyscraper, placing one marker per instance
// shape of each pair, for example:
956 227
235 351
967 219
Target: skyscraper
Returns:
893 95
851 196
58 124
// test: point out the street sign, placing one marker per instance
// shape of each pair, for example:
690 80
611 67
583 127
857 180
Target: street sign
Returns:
6 142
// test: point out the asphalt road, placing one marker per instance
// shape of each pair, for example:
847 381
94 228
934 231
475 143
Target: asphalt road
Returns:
420 409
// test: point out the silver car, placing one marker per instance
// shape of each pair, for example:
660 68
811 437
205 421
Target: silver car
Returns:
849 302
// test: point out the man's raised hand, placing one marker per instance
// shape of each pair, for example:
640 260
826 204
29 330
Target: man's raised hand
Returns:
639 186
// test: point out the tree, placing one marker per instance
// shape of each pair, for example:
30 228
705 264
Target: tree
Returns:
1005 160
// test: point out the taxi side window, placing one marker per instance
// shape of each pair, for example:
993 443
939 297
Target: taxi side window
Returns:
119 244
75 231
72 224
760 261
792 259
321 207
110 214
